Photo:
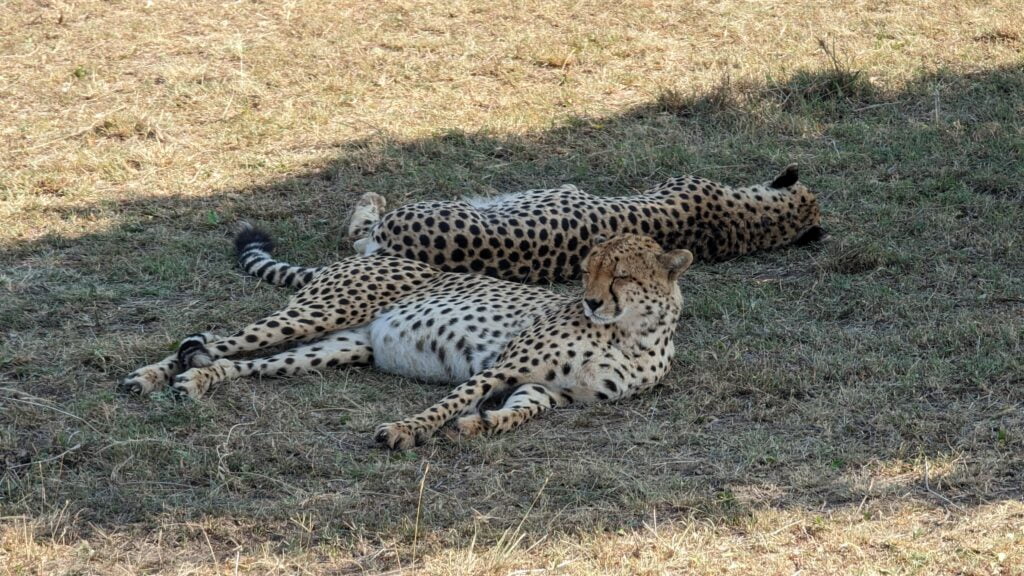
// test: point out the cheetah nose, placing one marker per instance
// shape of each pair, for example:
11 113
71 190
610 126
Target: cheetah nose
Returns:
592 304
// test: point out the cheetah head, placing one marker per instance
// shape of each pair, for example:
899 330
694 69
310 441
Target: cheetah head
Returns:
630 278
807 226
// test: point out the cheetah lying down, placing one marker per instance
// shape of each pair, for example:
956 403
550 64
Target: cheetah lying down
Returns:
542 236
524 347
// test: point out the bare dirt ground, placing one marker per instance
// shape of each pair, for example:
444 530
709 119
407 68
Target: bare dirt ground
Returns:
856 407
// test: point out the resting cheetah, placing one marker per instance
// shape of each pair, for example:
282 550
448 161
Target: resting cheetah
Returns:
535 348
543 235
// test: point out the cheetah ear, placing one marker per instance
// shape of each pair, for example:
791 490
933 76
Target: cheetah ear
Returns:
676 262
597 241
787 178
812 234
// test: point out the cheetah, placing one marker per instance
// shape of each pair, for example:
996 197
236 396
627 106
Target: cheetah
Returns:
541 236
522 346
614 344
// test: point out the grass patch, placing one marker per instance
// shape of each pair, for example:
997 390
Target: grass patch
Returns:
854 407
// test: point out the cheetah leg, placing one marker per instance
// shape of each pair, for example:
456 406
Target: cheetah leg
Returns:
288 325
345 347
154 377
464 399
606 381
523 405
201 350
366 213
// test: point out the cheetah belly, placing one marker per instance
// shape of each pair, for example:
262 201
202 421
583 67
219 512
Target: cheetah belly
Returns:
449 350
365 246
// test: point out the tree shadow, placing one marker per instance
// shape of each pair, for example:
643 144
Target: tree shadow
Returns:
801 374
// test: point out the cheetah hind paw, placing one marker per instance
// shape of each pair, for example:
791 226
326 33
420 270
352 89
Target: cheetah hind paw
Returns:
374 201
366 213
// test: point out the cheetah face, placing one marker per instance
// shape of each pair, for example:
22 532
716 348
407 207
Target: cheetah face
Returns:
630 278
808 216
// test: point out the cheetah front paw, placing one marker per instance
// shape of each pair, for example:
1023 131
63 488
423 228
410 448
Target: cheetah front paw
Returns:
469 426
145 380
401 435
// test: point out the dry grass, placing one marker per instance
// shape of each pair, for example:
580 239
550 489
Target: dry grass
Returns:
853 408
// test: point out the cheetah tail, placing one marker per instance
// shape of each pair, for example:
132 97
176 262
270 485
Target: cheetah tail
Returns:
252 249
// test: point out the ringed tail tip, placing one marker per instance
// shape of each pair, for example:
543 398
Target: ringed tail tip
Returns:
249 237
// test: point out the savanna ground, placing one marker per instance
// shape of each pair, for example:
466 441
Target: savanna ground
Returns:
857 407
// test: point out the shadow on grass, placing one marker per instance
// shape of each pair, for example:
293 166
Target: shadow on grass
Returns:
802 376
